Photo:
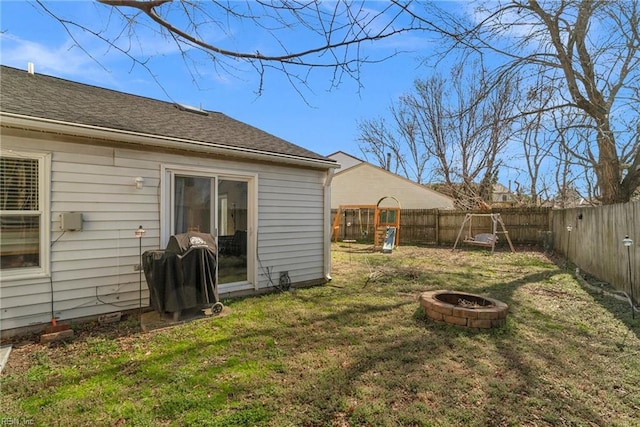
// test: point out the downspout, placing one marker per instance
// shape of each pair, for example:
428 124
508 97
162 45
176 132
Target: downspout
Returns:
327 224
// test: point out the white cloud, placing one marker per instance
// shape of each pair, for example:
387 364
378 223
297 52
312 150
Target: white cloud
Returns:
18 52
64 60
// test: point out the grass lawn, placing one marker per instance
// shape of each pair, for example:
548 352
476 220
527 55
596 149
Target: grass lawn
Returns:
357 351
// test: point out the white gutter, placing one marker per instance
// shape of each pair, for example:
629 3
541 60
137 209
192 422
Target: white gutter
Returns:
327 224
89 131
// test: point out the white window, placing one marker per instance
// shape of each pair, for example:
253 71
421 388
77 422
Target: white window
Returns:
24 207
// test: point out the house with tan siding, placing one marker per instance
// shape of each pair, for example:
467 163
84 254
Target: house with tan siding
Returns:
84 167
358 182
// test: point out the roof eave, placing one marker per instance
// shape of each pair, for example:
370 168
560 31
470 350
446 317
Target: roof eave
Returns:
89 131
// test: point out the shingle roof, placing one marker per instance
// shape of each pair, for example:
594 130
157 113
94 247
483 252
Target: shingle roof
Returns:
47 97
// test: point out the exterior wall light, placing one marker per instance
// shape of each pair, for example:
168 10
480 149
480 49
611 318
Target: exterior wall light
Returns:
627 241
139 182
140 232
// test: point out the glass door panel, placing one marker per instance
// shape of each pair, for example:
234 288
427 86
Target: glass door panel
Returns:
232 230
192 204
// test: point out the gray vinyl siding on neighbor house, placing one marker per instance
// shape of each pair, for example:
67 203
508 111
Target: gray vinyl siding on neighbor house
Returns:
92 271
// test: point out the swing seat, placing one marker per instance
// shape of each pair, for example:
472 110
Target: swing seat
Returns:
487 240
482 239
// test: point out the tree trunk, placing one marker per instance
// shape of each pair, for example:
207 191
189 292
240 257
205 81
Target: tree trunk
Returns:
608 167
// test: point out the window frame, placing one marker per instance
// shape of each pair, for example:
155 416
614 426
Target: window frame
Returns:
44 213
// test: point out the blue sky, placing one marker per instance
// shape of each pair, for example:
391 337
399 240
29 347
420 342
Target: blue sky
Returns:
323 121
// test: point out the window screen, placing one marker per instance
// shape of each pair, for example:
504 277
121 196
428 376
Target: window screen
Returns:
20 215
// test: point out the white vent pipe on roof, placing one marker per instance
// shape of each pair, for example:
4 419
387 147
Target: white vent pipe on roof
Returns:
31 68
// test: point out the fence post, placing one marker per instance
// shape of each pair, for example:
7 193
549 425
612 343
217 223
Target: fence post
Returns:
437 226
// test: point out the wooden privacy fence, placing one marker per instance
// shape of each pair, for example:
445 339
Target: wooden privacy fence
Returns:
441 227
594 243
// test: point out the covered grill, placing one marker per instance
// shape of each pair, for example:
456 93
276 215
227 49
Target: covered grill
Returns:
183 276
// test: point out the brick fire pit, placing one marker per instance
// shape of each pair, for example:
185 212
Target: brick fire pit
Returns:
463 309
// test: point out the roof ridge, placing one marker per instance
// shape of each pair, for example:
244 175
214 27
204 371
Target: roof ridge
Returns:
94 86
56 99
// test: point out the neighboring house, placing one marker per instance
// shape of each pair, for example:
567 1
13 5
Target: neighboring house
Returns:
570 198
502 195
82 168
345 160
361 183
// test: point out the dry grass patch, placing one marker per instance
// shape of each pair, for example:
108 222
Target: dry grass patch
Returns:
357 351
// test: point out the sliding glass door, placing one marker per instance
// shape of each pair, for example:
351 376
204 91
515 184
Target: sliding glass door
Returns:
218 205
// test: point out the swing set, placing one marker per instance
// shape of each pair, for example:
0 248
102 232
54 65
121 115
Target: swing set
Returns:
383 218
487 240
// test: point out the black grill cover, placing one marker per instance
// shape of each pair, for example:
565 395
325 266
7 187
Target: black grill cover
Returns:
181 243
183 275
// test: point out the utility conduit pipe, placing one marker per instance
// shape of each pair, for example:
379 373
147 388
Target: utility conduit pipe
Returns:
619 295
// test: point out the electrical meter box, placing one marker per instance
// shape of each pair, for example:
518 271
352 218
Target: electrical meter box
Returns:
71 221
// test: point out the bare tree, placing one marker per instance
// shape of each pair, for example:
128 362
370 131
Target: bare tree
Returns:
588 50
537 142
398 148
211 34
456 128
574 177
386 149
536 145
